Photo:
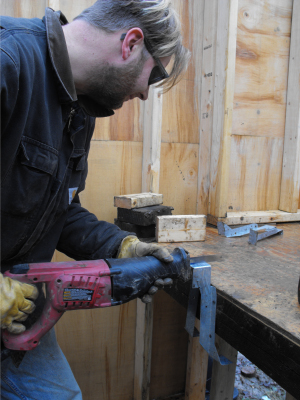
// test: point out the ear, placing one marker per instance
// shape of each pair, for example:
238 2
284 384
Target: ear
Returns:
133 40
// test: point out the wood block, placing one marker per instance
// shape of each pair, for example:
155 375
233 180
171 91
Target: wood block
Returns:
138 200
143 216
139 230
255 217
180 228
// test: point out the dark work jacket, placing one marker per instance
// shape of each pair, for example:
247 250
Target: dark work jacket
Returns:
45 137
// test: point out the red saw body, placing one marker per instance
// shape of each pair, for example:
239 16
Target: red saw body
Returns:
76 285
70 286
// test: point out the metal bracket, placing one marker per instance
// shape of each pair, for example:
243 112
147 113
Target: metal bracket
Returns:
208 307
269 230
225 230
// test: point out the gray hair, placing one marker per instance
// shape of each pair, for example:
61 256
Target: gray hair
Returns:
157 19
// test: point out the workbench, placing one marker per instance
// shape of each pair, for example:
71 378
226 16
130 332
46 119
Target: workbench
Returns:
257 306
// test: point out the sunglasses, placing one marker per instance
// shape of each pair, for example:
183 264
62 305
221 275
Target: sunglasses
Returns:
158 72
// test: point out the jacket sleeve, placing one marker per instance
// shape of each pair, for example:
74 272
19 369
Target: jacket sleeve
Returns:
9 80
84 237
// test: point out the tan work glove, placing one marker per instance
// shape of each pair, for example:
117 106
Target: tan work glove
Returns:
14 305
132 247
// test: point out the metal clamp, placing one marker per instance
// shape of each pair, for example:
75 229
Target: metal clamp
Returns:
208 307
225 230
268 230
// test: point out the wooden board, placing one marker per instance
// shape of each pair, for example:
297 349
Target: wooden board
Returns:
255 174
178 176
226 26
180 119
23 8
290 183
255 217
180 228
143 350
209 51
262 60
125 125
152 116
169 347
223 376
114 168
100 346
138 200
196 371
257 309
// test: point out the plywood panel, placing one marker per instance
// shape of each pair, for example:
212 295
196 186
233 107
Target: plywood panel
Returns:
209 46
71 8
126 124
255 173
223 105
114 169
180 118
23 8
169 347
178 176
290 183
262 60
99 346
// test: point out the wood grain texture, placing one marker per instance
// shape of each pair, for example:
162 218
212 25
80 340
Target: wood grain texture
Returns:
152 120
180 117
114 169
125 125
180 228
255 217
99 347
290 183
70 8
223 376
23 8
262 59
223 105
169 347
255 173
196 370
178 176
143 350
138 200
206 103
257 308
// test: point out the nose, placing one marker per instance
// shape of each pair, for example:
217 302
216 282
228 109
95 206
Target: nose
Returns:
144 95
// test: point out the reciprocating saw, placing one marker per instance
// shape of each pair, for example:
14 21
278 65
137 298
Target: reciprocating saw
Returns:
79 285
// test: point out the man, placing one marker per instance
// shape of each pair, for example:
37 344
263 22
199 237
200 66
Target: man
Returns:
56 78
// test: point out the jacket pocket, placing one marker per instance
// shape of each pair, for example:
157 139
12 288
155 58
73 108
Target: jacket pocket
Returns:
30 177
25 193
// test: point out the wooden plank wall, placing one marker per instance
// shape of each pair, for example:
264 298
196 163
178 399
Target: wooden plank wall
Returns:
103 363
100 346
239 139
290 182
262 60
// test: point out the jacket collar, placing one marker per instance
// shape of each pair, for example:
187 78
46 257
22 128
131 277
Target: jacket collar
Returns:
61 63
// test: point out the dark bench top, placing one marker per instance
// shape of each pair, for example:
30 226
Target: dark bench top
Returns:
257 309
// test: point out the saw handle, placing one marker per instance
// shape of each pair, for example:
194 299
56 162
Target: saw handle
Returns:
65 281
29 339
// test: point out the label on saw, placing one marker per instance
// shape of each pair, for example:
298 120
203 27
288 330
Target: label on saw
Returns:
74 294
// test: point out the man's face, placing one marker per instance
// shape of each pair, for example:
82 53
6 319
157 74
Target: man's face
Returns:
110 86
